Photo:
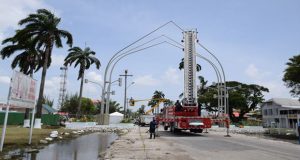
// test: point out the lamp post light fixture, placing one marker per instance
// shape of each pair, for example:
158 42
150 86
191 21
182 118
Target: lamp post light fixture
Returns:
89 81
132 83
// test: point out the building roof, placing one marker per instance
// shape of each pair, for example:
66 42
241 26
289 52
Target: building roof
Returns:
49 109
285 102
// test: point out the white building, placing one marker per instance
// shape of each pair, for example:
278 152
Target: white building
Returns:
281 113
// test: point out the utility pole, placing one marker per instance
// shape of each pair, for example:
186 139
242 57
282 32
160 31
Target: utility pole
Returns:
125 92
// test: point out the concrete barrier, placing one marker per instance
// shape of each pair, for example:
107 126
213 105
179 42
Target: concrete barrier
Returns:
80 125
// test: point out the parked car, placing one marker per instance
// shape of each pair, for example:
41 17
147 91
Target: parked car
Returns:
145 119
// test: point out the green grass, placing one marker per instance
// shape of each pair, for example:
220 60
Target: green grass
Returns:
17 135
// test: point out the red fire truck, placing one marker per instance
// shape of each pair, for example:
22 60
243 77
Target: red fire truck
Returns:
186 117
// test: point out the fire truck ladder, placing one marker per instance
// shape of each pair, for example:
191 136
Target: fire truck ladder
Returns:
190 90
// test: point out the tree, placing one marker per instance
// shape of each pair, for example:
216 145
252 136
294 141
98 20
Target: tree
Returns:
168 102
291 75
48 101
88 106
207 101
42 28
141 110
114 106
181 66
157 95
84 58
71 102
28 61
242 97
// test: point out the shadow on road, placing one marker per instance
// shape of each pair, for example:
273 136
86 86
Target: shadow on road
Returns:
180 134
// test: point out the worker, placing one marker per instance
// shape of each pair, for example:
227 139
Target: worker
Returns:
299 132
152 127
178 106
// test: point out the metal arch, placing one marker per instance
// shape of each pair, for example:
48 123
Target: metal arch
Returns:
226 96
218 77
112 59
121 57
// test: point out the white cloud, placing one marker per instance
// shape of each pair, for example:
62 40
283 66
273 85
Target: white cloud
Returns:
90 90
276 89
93 90
273 82
171 76
95 77
57 60
14 10
52 86
254 73
4 79
146 80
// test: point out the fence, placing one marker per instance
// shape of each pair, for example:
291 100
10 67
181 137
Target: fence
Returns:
283 131
17 118
14 118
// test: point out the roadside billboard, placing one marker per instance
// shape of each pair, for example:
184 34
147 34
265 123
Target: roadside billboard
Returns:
21 95
22 91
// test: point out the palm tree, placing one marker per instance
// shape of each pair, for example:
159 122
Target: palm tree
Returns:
84 58
181 65
203 84
42 29
168 102
291 75
27 60
114 106
157 95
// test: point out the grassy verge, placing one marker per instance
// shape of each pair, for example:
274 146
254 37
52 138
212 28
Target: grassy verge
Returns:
17 137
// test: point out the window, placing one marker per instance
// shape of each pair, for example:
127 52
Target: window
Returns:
265 112
270 112
283 112
276 111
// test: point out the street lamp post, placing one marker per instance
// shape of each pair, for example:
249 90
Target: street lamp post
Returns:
219 79
226 97
89 81
132 83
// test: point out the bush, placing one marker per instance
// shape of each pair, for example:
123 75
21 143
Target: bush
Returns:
248 123
87 118
126 120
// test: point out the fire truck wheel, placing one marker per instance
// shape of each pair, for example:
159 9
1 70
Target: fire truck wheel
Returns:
172 128
176 130
196 130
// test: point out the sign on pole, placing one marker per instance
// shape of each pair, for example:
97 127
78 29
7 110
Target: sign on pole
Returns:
22 91
21 94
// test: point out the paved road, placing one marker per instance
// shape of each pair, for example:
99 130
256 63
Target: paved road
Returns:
214 146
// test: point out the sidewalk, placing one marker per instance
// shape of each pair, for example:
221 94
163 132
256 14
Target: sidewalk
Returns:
137 145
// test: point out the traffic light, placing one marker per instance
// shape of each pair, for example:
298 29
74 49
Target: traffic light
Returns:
131 101
120 81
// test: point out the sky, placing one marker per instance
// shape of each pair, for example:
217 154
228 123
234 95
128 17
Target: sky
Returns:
253 40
